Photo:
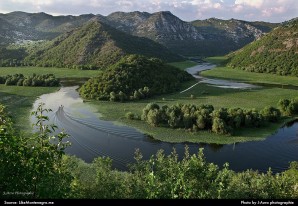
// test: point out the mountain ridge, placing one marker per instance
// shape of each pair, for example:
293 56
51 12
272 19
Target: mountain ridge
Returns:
95 44
185 38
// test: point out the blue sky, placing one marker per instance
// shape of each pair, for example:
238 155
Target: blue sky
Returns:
188 10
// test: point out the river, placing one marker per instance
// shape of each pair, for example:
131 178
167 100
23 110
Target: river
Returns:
92 137
195 70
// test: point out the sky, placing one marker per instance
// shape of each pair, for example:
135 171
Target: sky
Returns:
187 10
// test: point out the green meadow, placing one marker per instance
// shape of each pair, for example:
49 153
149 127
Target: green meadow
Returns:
19 101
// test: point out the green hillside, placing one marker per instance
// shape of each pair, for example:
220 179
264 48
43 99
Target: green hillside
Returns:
276 52
134 77
95 45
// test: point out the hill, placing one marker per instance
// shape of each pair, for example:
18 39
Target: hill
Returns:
134 77
198 38
97 45
276 52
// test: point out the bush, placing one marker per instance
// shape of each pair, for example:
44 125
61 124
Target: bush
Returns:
288 107
271 114
130 115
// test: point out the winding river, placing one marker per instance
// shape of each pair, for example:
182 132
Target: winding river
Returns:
194 71
92 137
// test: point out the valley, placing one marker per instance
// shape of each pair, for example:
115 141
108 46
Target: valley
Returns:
145 106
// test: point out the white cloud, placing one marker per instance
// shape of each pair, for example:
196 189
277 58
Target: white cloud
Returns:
252 3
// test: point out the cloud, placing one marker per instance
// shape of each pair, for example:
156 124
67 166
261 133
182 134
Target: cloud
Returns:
265 10
252 3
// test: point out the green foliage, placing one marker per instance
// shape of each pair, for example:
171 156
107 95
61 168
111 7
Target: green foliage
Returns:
10 57
94 45
38 165
289 107
167 177
130 115
46 80
221 121
271 114
134 77
276 52
32 164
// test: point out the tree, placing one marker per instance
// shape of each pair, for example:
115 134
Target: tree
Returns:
33 163
153 117
271 114
219 126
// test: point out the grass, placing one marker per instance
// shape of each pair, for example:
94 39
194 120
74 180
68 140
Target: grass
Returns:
218 60
58 72
223 72
183 65
249 77
19 101
218 97
204 94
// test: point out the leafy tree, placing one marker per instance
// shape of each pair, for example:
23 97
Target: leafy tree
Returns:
33 163
271 114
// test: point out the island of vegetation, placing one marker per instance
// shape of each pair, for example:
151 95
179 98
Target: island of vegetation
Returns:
134 77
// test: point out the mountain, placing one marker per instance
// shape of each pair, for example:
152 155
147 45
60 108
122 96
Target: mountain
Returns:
276 52
21 27
96 44
198 38
224 36
202 37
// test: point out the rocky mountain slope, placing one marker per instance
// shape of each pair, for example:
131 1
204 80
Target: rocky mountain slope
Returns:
202 37
21 27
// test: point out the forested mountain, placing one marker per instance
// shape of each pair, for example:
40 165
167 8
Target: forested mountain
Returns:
276 52
96 45
201 38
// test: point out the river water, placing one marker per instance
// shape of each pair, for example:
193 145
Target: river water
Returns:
194 71
92 137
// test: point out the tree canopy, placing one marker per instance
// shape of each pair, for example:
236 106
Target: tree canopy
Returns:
134 77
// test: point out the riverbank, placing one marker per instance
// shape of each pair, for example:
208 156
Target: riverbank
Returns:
91 137
227 73
199 94
19 100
